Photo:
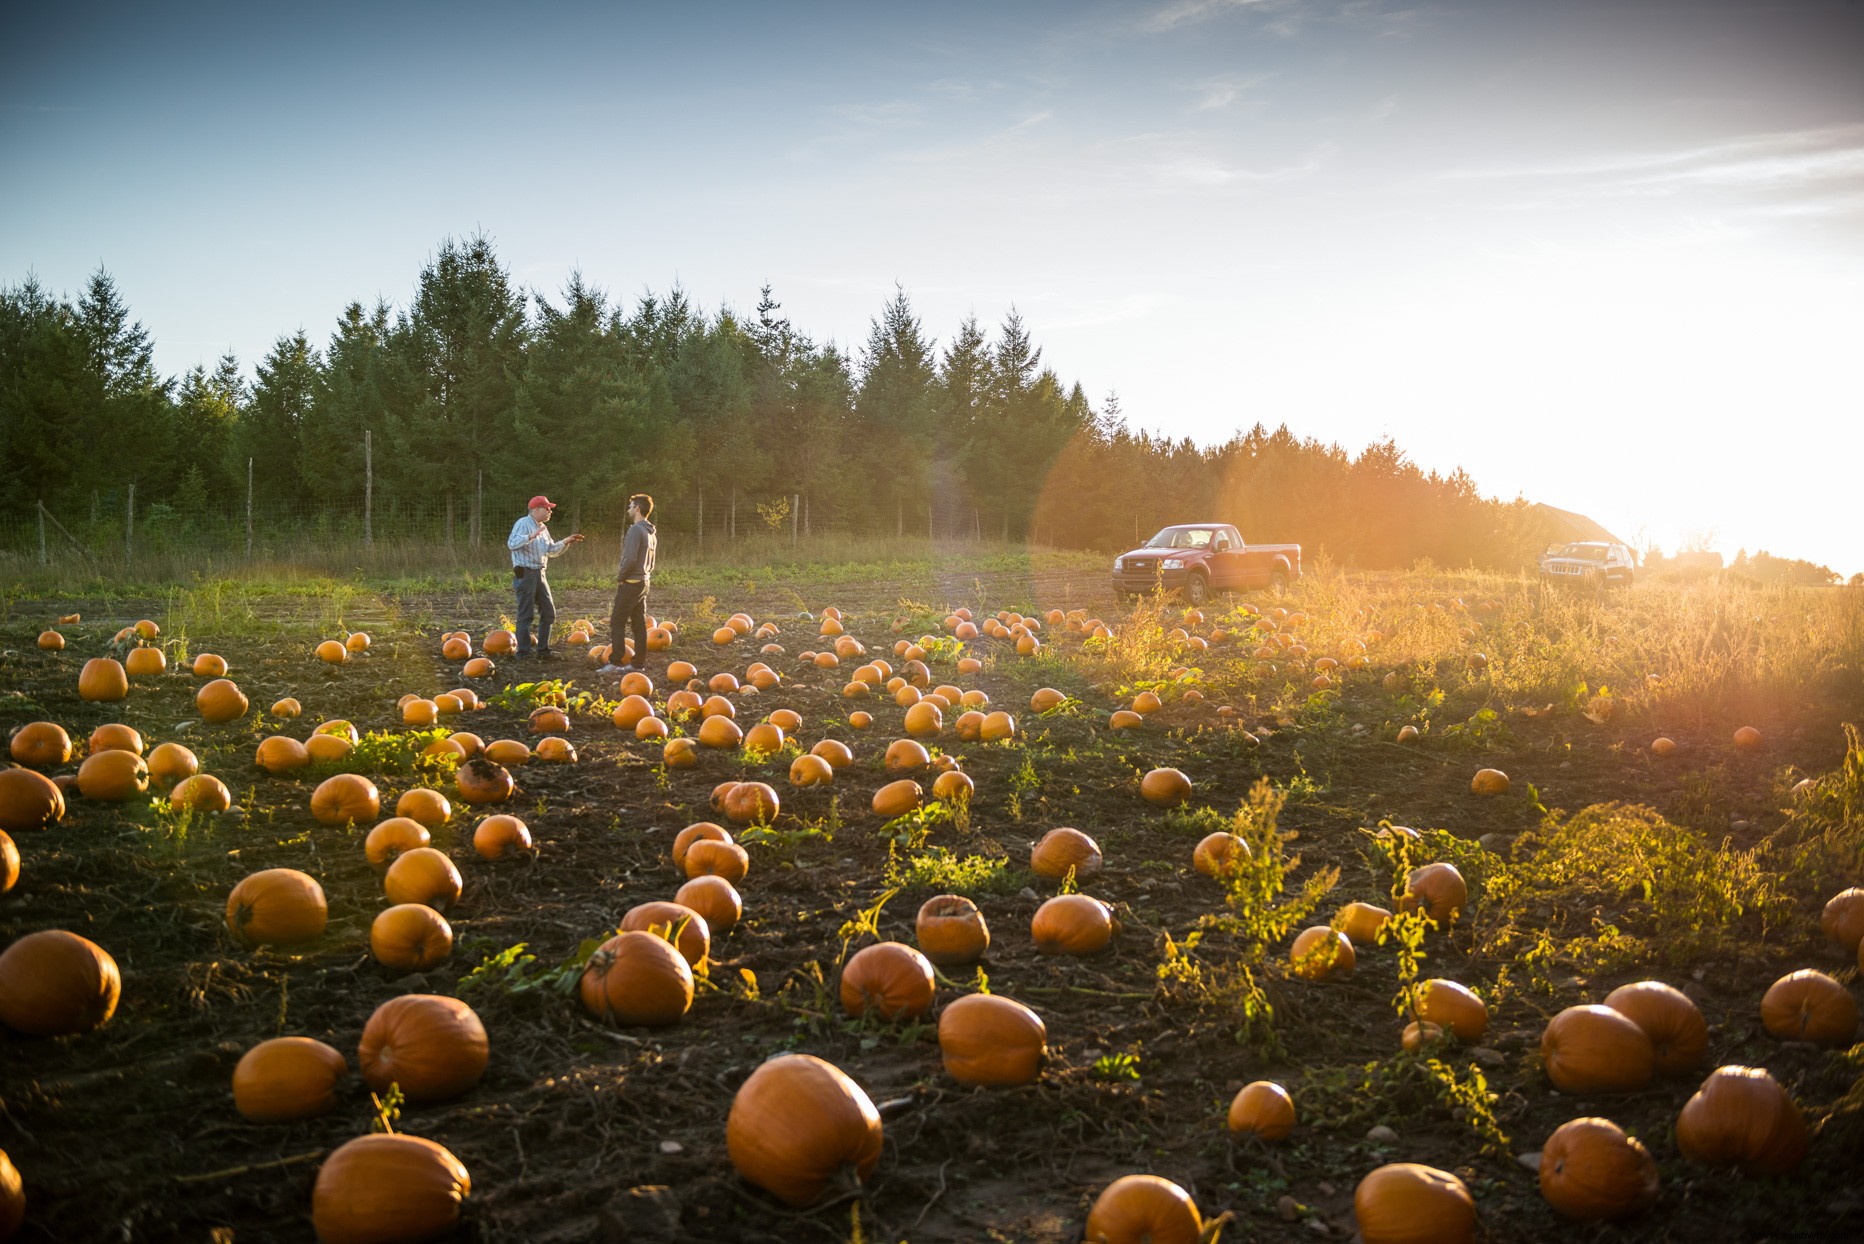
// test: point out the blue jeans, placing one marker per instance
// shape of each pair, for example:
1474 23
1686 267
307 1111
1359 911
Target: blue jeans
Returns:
533 598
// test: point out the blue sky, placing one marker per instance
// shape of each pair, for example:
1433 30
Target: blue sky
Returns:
1607 255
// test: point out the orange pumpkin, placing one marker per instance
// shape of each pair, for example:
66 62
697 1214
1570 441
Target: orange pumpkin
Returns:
953 787
1489 782
280 754
144 662
1742 1118
422 875
683 841
631 712
1842 920
1320 953
327 747
898 798
479 667
1591 1170
102 679
332 652
286 1079
482 780
990 1040
890 978
1594 1049
277 907
1072 924
717 859
1262 1110
346 797
30 800
1451 1006
1215 854
683 926
1046 699
1144 1209
434 1047
1062 850
714 898
429 807
1408 1203
1167 788
390 838
811 771
1808 1005
1748 739
170 763
387 1187
221 701
410 937
501 836
203 792
1362 922
906 756
1679 1036
1438 889
113 777
40 744
797 1123
115 737
9 862
951 930
637 979
751 803
57 984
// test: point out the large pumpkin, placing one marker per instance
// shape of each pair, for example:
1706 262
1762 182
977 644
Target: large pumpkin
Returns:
1262 1110
1072 924
797 1124
898 798
281 754
1363 922
29 800
114 736
9 862
170 763
1438 890
1167 788
1842 920
1216 854
346 797
951 930
41 744
637 979
686 928
750 803
906 756
501 836
1320 953
57 984
1589 1169
1594 1049
714 898
221 700
429 807
889 978
102 679
1409 1203
433 1047
203 793
422 875
390 838
1741 1117
1453 1007
288 1078
1679 1036
410 937
990 1040
1063 850
482 780
383 1189
277 907
113 776
1143 1209
707 858
697 831
1808 1005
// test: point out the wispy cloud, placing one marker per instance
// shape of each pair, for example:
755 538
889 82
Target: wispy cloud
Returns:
1784 158
1205 171
1291 17
1215 94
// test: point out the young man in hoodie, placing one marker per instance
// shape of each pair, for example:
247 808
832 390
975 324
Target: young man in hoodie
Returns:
633 579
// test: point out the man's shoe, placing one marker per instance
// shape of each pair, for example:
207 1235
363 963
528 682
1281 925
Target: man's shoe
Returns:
548 654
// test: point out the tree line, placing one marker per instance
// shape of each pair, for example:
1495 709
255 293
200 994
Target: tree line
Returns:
725 417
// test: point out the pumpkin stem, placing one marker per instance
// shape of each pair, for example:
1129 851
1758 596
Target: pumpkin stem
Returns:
1214 1227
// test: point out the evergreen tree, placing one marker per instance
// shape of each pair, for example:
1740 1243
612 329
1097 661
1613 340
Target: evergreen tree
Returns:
272 432
894 407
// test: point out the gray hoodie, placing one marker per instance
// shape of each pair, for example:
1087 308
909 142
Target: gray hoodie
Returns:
637 553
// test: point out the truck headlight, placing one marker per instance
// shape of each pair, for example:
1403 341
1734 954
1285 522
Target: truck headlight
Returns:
1174 563
1117 561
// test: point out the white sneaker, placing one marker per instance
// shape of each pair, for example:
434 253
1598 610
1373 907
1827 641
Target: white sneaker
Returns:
612 668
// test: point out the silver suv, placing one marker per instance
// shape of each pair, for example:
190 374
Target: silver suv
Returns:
1589 563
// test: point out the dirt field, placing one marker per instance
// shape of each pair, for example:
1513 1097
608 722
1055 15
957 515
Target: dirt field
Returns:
583 1132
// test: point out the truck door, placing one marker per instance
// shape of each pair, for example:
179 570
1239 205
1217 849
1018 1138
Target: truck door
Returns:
1226 560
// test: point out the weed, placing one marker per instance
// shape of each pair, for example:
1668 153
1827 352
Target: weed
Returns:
938 869
1117 1067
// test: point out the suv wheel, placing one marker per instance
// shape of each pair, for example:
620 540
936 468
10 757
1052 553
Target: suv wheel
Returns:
1197 589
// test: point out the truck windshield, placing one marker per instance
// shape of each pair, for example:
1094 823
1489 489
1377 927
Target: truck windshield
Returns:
1181 538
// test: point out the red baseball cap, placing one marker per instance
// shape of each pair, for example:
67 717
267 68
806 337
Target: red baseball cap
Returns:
541 499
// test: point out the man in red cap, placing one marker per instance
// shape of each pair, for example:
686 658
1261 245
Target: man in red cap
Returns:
531 550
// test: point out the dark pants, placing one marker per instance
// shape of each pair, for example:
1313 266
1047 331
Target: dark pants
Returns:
630 611
533 598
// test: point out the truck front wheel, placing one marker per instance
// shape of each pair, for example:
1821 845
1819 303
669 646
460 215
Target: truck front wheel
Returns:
1196 589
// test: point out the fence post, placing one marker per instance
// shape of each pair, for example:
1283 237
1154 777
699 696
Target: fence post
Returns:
478 509
702 520
41 533
449 520
368 488
129 526
795 516
807 530
249 507
899 517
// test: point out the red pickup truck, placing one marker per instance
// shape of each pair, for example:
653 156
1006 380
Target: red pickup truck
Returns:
1200 558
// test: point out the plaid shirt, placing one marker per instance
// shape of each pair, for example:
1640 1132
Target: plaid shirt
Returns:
531 545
